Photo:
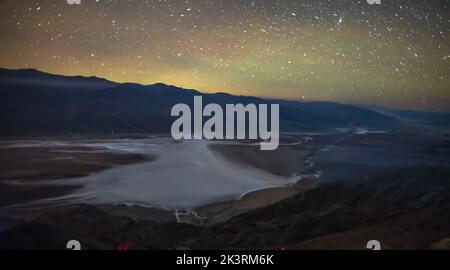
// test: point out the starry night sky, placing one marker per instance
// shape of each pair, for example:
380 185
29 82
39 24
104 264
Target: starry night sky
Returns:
395 54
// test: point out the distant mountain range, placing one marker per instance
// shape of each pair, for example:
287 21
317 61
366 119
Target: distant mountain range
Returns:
38 103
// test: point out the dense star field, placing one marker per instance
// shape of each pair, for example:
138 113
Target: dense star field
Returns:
393 54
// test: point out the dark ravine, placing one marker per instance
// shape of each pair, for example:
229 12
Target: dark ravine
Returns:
403 208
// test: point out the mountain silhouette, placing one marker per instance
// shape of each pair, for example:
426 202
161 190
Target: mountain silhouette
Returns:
38 103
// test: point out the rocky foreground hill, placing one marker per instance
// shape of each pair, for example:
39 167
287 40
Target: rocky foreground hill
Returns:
402 208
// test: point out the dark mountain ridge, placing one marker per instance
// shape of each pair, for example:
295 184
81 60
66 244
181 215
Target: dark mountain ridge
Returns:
38 103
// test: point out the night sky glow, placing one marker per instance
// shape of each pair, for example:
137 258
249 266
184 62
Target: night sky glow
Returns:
395 54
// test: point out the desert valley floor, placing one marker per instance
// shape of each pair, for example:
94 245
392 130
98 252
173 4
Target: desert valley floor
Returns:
316 191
